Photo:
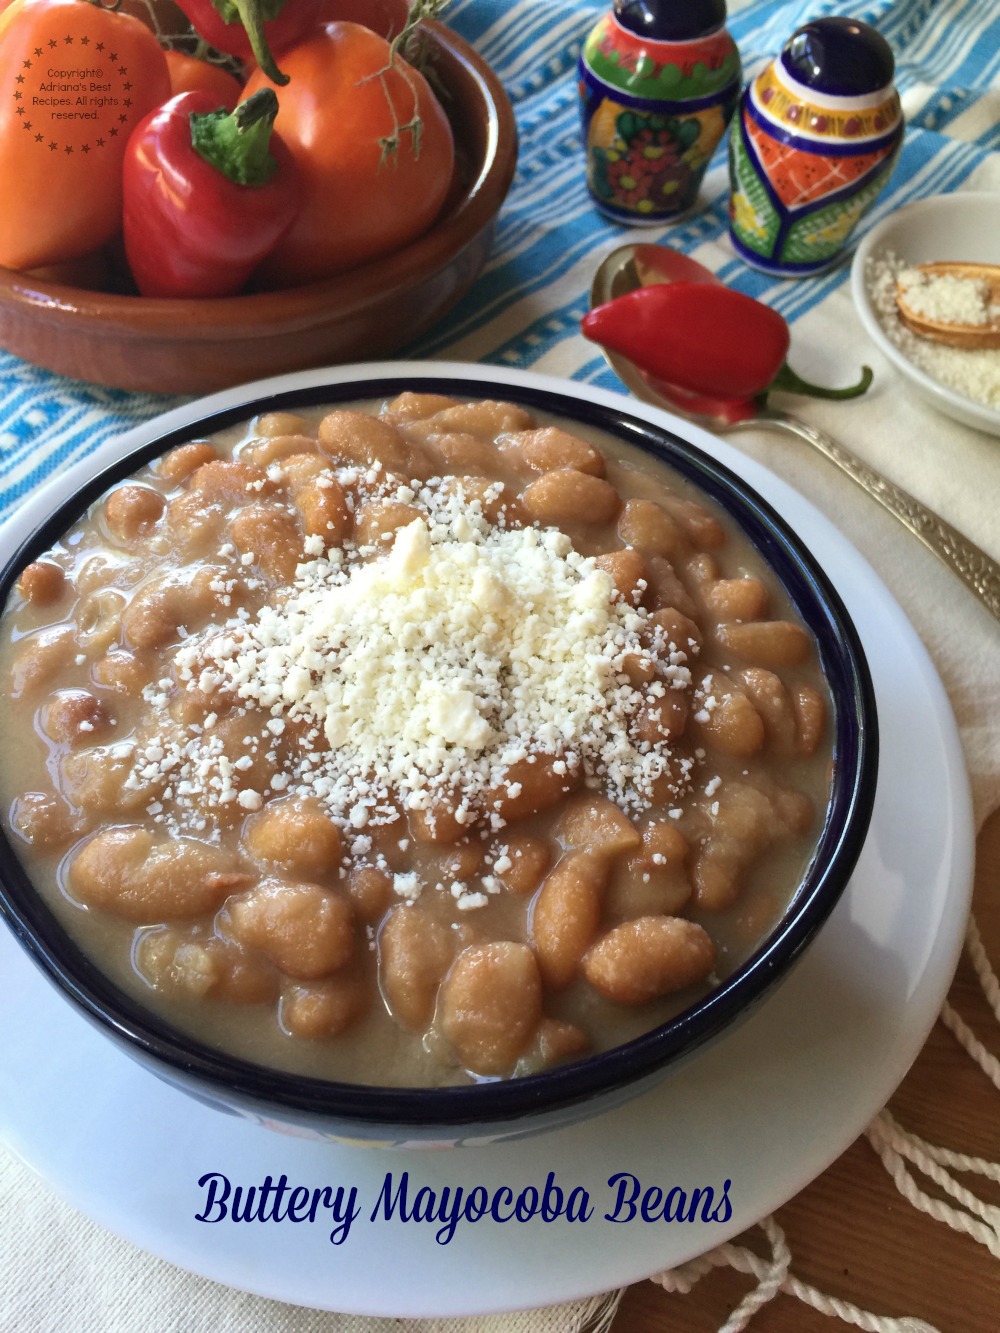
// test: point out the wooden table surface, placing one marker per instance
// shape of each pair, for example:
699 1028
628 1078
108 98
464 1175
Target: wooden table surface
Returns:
851 1233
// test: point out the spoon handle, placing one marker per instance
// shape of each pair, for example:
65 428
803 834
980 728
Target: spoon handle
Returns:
977 570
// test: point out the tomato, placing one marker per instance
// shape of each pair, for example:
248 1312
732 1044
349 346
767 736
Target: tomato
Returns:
68 115
188 74
347 96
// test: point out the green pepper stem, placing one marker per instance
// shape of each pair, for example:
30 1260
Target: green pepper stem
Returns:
253 20
237 143
787 380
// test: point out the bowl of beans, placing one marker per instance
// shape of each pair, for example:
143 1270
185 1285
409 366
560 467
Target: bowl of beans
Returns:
422 753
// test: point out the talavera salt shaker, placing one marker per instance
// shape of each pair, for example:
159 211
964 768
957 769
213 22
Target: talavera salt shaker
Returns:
813 144
659 81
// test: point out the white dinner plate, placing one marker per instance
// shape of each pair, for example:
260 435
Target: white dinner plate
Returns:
754 1117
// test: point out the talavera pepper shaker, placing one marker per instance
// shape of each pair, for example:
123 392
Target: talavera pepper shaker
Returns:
814 143
659 81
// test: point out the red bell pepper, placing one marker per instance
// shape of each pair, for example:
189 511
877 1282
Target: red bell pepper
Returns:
710 349
254 29
207 195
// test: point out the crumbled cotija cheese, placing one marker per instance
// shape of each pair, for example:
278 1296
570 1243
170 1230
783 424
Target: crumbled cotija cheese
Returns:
947 298
434 666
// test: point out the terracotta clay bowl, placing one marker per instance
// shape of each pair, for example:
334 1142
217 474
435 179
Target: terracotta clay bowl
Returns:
193 346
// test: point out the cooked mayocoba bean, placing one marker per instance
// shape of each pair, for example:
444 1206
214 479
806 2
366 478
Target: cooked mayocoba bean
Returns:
414 953
437 822
566 496
199 966
75 717
39 657
305 930
416 406
565 915
272 536
130 511
652 880
665 589
300 470
124 671
356 437
44 820
726 719
124 871
592 821
661 718
179 464
322 505
490 1004
644 525
370 890
276 425
771 643
737 599
650 956
487 419
522 861
702 529
810 717
297 834
627 568
230 481
530 786
158 609
548 449
322 1009
555 1042
461 452
42 583
101 782
277 448
378 521
498 502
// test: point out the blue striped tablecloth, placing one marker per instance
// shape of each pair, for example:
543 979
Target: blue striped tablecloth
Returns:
526 306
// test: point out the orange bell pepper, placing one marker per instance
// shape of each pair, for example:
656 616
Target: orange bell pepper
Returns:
191 74
75 79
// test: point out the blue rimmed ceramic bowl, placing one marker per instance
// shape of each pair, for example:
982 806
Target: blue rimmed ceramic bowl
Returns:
494 1110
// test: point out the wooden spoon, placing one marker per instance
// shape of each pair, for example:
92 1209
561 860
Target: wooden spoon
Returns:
955 335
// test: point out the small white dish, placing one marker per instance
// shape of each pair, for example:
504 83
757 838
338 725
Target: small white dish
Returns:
960 226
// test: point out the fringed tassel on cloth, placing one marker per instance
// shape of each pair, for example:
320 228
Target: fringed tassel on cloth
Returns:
899 1151
773 1277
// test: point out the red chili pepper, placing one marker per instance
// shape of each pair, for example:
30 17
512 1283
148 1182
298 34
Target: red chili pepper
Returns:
254 29
707 340
207 195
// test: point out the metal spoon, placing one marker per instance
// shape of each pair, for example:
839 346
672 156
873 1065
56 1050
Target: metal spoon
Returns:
631 266
939 330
